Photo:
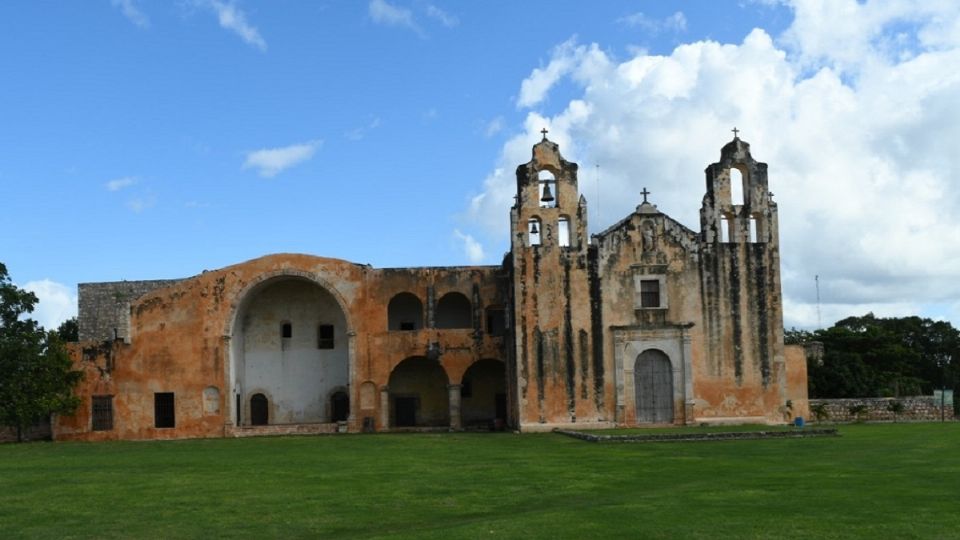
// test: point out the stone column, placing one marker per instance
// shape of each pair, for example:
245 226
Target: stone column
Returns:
384 408
454 393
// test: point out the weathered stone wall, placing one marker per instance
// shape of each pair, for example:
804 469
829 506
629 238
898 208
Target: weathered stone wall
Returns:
105 307
560 377
915 408
187 337
649 246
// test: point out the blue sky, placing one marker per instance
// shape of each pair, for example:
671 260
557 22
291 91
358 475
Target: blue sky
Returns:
151 139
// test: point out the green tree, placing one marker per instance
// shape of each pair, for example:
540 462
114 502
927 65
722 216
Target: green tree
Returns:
36 375
869 356
69 330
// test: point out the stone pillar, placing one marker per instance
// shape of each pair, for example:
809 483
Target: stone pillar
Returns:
384 408
454 393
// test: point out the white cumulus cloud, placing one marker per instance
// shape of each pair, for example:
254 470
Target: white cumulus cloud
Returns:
471 248
271 161
234 19
442 16
859 128
132 12
119 183
674 23
56 302
387 14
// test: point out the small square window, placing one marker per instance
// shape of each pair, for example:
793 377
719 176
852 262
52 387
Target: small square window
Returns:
286 330
102 413
325 336
649 293
163 410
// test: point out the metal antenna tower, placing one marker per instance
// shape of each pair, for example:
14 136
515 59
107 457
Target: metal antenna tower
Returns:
816 279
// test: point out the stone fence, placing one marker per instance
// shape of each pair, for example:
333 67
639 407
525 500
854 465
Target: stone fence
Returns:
915 409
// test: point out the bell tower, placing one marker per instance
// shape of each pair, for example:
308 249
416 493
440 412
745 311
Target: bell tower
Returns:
552 347
740 270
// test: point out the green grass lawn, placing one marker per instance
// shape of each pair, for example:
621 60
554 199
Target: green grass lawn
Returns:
875 481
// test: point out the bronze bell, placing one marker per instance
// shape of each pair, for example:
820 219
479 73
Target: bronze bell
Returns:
547 196
534 229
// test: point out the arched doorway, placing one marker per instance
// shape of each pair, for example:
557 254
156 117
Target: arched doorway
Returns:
418 394
653 383
289 341
483 394
259 410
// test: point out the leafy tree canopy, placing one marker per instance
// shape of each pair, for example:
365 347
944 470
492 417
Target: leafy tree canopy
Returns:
69 330
872 356
36 375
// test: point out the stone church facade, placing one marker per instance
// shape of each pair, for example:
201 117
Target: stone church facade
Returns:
645 323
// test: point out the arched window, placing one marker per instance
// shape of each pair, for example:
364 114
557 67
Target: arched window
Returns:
454 311
533 231
724 229
736 186
547 194
286 330
405 312
563 231
259 410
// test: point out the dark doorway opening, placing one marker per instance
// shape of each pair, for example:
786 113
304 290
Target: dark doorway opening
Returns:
339 407
259 410
405 410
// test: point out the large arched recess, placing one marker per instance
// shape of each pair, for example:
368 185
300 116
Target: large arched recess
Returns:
299 373
419 394
483 391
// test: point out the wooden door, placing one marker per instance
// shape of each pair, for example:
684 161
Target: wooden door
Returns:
653 382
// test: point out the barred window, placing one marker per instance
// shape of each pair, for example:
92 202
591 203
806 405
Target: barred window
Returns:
325 336
102 413
649 293
163 410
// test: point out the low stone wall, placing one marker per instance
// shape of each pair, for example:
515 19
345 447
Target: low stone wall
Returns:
915 409
285 429
714 436
39 432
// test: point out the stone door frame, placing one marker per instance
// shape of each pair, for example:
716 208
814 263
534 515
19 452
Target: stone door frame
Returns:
674 341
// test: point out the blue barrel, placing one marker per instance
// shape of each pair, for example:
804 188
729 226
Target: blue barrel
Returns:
798 421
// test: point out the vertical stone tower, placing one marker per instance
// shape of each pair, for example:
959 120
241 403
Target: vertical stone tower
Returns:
556 379
740 275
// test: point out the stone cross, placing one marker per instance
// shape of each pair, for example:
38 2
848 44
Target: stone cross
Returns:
735 131
644 193
544 131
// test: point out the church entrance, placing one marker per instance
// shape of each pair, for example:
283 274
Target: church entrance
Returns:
653 383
